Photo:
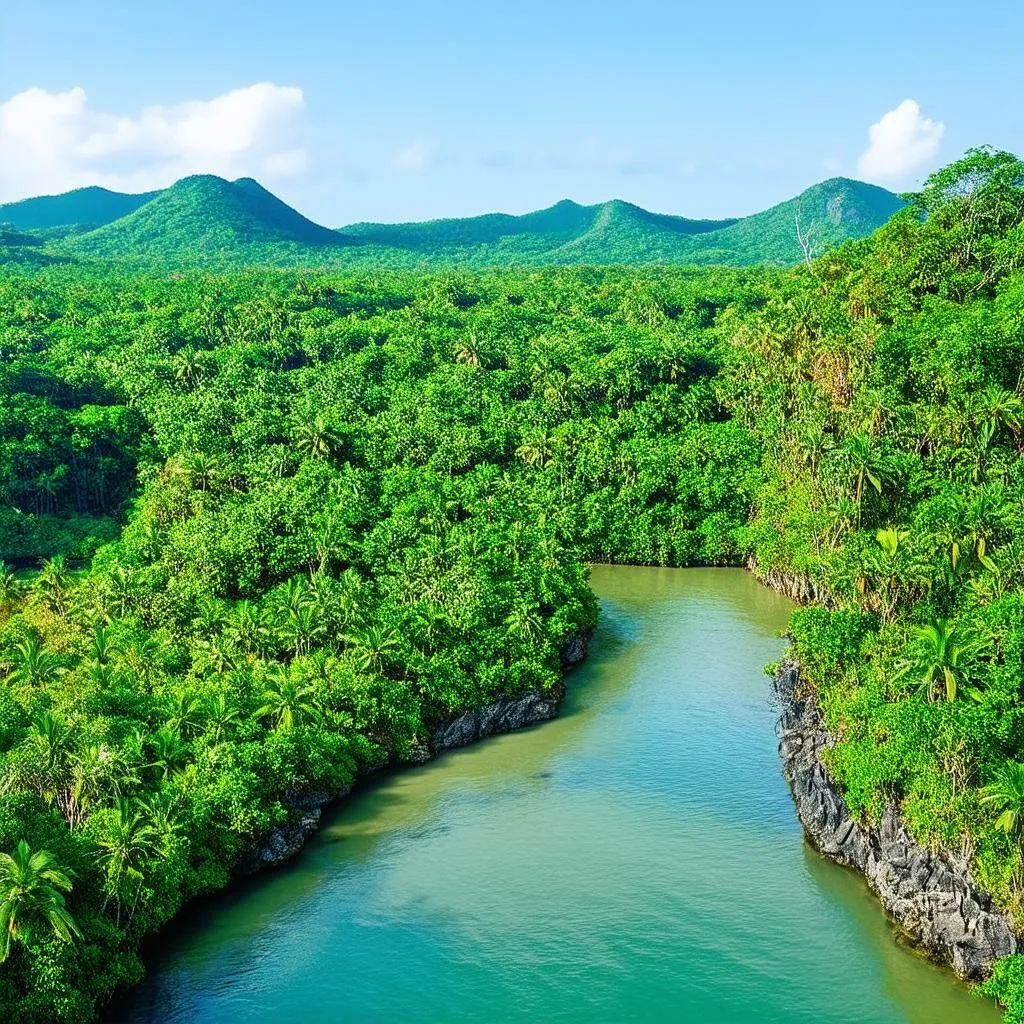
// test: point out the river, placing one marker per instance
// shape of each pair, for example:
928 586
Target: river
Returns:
636 859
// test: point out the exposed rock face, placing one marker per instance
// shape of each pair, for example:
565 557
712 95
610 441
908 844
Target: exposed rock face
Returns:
930 894
573 651
503 715
284 841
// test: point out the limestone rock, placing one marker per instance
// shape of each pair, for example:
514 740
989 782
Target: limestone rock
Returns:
930 894
504 715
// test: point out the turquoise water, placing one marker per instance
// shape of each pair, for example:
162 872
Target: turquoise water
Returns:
637 859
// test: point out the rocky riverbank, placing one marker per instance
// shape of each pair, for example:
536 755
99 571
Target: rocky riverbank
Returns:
930 894
506 714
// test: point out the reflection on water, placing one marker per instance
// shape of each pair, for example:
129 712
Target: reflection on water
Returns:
636 859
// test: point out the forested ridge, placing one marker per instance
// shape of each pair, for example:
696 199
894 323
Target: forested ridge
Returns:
207 222
289 521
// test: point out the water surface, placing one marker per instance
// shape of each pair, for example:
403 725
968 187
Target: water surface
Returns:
637 859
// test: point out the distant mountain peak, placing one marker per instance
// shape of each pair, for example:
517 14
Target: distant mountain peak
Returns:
204 219
90 206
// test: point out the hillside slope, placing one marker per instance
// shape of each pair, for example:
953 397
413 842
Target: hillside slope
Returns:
207 221
499 237
830 213
618 232
83 208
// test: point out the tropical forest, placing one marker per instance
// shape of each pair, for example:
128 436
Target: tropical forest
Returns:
278 502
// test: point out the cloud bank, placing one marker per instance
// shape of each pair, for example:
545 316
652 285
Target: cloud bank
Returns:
901 142
53 141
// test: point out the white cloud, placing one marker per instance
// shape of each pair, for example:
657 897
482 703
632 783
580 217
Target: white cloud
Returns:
52 142
414 157
901 142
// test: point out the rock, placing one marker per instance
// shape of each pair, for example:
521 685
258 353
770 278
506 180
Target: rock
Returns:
573 651
419 753
504 715
283 841
930 894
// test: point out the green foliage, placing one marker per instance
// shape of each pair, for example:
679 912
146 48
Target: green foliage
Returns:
327 511
352 508
618 232
1007 986
81 209
32 891
204 221
884 388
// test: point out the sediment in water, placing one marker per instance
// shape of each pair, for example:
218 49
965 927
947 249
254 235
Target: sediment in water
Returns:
506 714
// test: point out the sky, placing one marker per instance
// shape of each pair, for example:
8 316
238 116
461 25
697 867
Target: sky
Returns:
415 109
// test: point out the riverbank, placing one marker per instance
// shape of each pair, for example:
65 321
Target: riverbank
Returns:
564 873
929 894
506 714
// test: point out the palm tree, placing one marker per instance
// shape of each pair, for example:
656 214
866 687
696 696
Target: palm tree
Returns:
937 661
537 449
32 889
127 843
247 627
169 750
187 366
33 666
987 513
186 718
1000 407
223 715
373 646
863 462
10 589
98 663
287 701
294 595
812 443
161 811
53 582
202 470
98 772
894 571
1006 795
122 590
470 351
301 628
315 438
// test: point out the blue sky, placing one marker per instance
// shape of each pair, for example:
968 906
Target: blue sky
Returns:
410 110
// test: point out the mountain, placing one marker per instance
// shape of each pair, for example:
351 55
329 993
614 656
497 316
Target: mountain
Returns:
81 209
206 221
829 214
498 237
619 232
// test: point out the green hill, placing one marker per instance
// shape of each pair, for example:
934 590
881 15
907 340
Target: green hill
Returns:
82 209
619 232
500 237
830 213
19 247
207 221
